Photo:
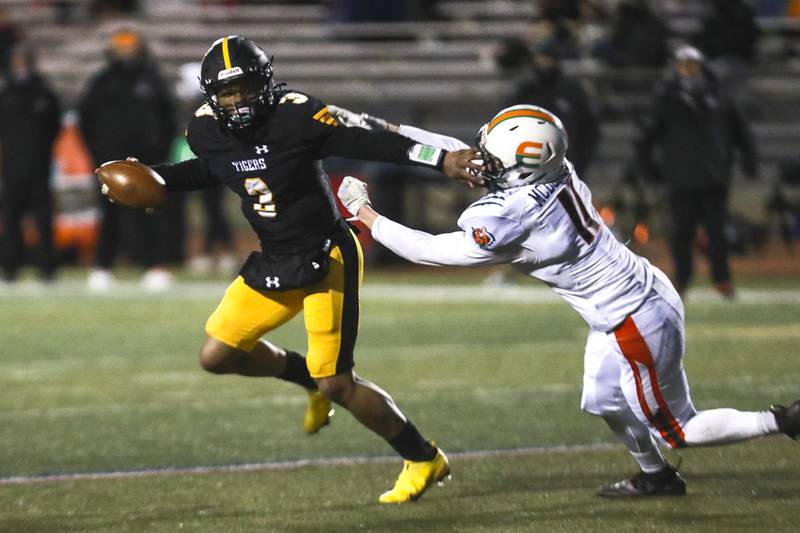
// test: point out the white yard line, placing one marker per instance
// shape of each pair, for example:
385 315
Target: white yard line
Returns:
402 292
300 463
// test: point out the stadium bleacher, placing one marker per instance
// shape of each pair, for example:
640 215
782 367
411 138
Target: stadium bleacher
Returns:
439 74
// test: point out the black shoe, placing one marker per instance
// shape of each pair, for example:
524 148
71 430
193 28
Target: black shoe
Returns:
788 419
665 483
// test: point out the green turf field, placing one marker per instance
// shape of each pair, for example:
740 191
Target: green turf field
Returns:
100 384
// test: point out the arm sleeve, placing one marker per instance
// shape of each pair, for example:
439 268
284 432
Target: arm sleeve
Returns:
446 249
323 131
450 144
189 175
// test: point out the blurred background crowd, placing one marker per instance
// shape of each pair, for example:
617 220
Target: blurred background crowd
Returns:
682 116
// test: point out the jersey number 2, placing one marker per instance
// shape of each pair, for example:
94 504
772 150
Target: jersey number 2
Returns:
265 207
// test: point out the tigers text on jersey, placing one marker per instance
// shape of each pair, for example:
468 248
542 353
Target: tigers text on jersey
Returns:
547 231
275 168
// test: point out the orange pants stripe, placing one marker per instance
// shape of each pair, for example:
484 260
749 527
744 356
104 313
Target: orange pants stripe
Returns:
636 352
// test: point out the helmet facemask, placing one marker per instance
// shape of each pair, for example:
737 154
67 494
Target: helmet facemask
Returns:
496 174
243 100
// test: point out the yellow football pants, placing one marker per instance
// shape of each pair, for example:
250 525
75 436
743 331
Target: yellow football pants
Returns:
330 309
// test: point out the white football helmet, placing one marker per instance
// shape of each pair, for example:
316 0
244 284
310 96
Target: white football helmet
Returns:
521 145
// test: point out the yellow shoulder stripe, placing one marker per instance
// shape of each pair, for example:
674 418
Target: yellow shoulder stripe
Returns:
322 112
324 116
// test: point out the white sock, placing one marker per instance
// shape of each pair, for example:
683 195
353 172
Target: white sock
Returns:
637 438
726 426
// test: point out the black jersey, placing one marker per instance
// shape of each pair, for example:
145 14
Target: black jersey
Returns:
276 169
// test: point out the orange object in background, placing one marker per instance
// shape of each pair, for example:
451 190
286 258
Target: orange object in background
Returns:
641 233
74 193
608 216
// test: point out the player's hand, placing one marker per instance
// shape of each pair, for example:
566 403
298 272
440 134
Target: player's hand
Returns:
348 118
104 190
353 194
461 166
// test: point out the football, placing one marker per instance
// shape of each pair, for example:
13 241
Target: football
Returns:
129 182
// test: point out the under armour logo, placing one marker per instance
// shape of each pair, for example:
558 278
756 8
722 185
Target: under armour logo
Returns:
315 265
272 282
263 149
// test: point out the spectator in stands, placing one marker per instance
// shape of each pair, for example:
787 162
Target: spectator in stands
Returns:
9 37
559 10
29 123
728 38
557 32
568 97
371 11
698 129
592 29
114 7
729 31
638 37
127 111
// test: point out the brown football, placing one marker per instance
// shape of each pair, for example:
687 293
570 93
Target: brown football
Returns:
133 184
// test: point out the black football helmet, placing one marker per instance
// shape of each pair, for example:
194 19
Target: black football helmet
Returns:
236 64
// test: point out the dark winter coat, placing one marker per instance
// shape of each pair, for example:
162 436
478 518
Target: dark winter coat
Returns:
697 136
30 119
127 111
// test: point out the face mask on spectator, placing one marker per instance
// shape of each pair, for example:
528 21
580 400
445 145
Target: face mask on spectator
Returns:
694 84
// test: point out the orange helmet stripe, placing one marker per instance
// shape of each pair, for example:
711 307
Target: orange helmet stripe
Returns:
521 113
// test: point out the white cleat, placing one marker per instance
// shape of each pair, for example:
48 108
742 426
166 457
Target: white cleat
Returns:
157 280
100 280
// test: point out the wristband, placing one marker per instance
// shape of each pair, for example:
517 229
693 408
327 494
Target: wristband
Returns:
426 155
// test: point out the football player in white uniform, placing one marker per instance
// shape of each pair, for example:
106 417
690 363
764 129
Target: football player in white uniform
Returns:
538 217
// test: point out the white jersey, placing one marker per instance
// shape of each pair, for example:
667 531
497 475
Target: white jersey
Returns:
547 231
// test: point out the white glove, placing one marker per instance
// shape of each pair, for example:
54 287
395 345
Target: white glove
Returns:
353 194
363 120
348 118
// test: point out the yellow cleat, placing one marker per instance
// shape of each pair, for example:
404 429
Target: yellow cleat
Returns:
318 412
416 477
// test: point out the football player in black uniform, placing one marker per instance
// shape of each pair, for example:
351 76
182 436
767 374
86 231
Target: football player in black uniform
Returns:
265 143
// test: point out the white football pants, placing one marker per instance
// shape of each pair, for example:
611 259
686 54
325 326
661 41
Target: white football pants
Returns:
639 366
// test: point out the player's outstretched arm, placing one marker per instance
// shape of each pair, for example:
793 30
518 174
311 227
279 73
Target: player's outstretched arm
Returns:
190 175
459 161
446 249
371 122
134 184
